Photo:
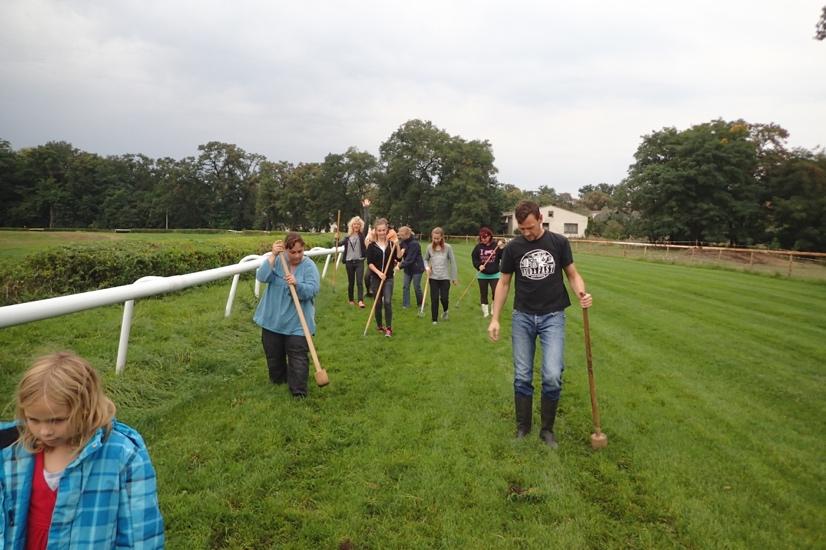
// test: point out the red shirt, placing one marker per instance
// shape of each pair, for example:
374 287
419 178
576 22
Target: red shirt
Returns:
40 508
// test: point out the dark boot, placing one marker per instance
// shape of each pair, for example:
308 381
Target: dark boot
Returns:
547 410
524 410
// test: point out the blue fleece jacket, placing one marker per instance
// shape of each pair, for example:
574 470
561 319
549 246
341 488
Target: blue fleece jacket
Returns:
276 311
106 498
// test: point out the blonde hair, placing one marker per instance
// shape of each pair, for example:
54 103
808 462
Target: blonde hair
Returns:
441 233
354 219
67 380
405 232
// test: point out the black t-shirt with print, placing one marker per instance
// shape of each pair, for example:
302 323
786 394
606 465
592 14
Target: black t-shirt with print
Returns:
537 267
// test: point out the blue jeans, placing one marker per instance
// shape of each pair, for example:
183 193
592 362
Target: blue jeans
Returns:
550 329
416 279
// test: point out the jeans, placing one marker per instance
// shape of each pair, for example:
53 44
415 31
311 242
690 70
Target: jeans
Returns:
550 328
416 279
386 300
355 274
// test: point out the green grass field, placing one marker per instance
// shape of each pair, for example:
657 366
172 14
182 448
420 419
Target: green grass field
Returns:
711 388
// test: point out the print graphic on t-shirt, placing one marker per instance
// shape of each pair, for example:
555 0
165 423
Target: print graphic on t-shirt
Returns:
537 264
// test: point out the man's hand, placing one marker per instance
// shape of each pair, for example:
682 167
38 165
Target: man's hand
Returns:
585 300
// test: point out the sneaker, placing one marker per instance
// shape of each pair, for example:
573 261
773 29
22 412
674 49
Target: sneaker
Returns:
388 332
380 328
444 315
435 322
361 304
352 303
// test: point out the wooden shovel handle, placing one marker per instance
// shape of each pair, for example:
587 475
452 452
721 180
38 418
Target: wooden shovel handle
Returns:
301 317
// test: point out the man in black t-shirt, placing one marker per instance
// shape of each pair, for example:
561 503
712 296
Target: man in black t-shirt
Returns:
537 258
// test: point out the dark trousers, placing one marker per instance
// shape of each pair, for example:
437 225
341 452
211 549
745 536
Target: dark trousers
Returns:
355 276
386 300
483 289
439 291
287 360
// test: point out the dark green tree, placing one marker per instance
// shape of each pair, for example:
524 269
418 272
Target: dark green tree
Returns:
697 185
230 173
191 199
797 207
412 160
344 180
10 191
45 196
433 179
299 215
270 205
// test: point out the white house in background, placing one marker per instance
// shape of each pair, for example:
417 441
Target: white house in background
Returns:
554 219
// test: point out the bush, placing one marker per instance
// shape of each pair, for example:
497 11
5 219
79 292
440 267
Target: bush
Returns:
79 268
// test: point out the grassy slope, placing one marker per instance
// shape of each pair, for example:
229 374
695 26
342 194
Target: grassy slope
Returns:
711 389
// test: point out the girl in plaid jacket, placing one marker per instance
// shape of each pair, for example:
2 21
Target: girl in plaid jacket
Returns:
74 477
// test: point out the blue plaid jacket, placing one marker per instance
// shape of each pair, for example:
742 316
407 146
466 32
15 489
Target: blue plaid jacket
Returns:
107 497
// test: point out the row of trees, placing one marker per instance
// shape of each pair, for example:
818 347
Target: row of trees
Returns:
423 177
719 181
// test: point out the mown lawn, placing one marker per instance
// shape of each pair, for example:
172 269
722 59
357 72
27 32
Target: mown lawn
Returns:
711 387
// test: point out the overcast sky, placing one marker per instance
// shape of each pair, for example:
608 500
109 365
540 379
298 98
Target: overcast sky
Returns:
562 90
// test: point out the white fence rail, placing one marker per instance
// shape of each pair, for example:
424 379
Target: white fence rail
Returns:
145 287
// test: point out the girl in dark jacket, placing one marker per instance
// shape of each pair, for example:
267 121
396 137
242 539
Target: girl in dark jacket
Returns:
485 256
412 264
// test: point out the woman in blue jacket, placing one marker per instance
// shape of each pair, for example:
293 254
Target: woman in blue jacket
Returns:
282 336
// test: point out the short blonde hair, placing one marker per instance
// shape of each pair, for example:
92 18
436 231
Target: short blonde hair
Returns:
68 380
405 232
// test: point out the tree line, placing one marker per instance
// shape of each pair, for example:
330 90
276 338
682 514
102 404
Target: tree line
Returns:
719 181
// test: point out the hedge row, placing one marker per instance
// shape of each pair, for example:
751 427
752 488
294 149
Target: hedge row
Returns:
79 268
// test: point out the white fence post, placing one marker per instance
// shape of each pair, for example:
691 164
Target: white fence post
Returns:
126 328
234 287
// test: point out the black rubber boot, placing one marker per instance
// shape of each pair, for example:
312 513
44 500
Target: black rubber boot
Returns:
547 408
524 406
